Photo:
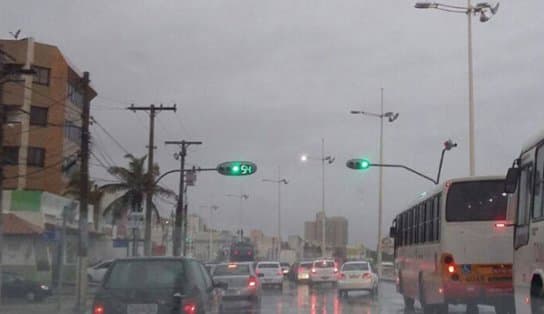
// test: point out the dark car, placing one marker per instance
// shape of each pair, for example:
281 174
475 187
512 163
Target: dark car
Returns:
157 285
15 286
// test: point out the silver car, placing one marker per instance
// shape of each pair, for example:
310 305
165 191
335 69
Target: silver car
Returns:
323 270
241 281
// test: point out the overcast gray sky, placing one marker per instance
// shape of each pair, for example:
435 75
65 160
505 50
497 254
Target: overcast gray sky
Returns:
266 80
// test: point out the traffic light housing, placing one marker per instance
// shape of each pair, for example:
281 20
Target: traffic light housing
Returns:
358 164
237 168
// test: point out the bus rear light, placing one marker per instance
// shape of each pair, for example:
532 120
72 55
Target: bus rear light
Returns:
314 270
500 225
189 307
451 269
335 270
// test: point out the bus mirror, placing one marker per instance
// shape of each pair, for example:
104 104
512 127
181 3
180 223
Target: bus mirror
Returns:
392 232
511 181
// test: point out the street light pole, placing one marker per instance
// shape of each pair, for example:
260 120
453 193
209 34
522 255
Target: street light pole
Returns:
323 217
472 162
391 116
242 197
279 181
380 194
485 10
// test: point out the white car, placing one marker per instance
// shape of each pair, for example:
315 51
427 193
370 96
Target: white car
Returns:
270 273
357 276
96 272
323 271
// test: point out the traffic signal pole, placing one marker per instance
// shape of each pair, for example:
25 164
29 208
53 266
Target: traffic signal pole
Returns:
181 210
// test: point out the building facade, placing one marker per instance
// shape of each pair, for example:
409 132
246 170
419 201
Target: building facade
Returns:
336 231
42 125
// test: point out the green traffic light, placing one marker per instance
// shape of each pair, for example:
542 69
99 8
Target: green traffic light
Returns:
358 164
237 168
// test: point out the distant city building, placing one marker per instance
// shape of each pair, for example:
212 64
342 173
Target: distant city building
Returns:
336 231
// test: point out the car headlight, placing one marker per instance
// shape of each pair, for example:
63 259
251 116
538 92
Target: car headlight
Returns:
44 287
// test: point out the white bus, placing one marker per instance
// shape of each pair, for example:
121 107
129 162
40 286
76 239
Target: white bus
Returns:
526 206
453 246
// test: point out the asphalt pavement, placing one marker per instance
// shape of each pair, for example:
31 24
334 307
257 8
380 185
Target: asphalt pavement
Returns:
294 298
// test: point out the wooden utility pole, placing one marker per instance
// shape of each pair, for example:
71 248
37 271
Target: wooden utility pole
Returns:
81 289
181 210
2 75
149 197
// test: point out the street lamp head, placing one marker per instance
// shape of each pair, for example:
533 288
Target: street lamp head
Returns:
284 181
425 5
329 159
355 112
304 158
391 116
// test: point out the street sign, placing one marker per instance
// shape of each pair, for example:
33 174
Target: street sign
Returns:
190 178
118 243
237 168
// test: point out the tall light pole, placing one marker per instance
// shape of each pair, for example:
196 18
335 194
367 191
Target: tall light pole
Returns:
485 10
391 116
324 159
279 181
210 231
242 197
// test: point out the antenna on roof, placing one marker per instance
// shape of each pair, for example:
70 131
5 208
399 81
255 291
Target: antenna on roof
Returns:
16 34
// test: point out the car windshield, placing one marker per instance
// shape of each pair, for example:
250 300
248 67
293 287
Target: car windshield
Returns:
476 201
355 266
324 264
268 265
231 270
145 274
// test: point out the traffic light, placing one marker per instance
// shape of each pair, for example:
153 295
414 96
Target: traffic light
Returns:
358 164
237 168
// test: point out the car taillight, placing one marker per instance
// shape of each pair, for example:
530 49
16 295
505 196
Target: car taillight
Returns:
342 275
98 308
335 270
189 307
366 275
451 269
252 281
279 272
314 270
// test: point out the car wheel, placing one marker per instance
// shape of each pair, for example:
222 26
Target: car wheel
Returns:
30 296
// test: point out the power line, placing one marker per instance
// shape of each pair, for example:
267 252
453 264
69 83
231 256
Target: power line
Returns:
93 119
41 169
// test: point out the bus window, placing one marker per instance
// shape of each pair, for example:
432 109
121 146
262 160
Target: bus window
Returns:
421 223
436 218
521 236
538 206
429 221
416 224
405 229
476 201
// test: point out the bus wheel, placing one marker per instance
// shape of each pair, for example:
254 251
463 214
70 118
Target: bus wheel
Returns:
472 308
537 296
427 308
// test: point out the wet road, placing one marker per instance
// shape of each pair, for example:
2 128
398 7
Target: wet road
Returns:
324 300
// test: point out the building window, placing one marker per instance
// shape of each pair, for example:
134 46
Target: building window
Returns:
11 155
75 96
38 116
35 157
11 113
72 132
41 75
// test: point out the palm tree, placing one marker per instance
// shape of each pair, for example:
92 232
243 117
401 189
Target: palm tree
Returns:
132 186
72 189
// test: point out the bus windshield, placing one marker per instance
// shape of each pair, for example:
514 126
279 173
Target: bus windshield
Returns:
476 201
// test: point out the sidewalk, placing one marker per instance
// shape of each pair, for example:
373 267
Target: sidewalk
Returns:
48 306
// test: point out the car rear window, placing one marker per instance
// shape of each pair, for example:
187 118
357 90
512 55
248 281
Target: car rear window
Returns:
146 274
231 270
355 266
324 264
268 265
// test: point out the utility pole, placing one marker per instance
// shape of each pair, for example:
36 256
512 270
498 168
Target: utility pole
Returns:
149 197
181 210
81 290
1 167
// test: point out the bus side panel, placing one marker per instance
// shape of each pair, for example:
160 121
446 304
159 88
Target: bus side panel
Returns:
415 263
